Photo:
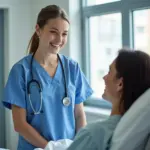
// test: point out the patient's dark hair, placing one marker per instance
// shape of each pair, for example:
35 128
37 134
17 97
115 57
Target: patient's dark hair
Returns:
134 67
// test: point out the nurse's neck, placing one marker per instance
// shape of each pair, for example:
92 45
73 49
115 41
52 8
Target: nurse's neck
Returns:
45 59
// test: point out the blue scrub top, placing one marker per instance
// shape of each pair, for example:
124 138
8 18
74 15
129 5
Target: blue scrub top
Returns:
57 121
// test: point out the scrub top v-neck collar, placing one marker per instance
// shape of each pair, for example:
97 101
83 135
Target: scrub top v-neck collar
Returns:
57 74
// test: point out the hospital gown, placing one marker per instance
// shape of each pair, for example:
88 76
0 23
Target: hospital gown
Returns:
95 136
55 121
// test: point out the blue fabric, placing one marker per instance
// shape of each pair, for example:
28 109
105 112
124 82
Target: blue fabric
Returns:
57 121
95 136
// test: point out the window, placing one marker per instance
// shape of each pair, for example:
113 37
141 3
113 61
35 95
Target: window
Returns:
142 30
105 39
109 25
97 2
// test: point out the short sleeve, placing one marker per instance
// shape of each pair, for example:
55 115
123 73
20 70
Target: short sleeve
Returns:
83 141
14 91
83 89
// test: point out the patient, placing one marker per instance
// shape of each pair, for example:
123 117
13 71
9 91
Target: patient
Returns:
127 79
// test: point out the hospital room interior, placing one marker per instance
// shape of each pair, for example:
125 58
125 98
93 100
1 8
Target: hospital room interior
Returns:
98 29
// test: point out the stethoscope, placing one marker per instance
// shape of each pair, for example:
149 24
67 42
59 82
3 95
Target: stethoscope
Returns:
65 101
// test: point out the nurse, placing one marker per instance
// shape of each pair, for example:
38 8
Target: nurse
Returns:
46 90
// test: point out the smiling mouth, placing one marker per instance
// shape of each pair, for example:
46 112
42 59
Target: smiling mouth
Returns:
55 45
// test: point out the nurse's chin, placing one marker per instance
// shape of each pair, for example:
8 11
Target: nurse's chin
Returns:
54 51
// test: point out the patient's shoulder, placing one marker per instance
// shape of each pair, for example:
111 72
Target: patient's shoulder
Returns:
103 130
110 123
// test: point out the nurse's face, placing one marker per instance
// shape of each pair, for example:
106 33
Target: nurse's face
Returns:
113 85
53 36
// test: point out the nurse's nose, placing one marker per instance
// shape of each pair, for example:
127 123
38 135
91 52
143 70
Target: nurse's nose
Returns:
58 39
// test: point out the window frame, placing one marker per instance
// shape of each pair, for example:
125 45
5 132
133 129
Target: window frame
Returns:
126 8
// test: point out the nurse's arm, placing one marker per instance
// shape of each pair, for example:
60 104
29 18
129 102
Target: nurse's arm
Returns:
80 118
25 129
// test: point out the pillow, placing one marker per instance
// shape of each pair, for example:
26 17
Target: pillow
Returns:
132 132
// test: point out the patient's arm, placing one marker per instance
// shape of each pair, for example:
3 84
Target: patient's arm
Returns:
25 129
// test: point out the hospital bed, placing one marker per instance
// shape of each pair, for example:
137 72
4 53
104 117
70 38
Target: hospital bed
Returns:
133 130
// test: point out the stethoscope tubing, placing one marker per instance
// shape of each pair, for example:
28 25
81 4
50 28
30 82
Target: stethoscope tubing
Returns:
65 100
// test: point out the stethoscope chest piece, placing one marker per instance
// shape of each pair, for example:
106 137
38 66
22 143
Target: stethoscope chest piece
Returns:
66 101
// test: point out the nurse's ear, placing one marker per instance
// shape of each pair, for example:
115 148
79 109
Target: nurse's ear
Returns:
38 32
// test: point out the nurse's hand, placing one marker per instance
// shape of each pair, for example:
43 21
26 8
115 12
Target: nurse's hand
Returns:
25 129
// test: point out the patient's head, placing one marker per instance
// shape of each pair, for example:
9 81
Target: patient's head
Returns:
128 78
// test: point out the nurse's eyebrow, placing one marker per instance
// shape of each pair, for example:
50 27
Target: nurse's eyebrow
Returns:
57 29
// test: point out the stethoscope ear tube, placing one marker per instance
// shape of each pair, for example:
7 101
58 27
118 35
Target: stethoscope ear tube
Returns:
37 83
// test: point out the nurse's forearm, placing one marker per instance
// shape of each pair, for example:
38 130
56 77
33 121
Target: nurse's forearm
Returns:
32 136
79 116
80 122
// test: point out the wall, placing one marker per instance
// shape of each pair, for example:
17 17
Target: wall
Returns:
20 19
75 40
18 30
2 112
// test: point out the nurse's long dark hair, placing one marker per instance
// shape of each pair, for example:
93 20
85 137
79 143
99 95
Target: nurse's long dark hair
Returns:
134 67
47 13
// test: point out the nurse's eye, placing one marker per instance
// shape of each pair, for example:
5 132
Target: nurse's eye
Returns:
53 32
65 34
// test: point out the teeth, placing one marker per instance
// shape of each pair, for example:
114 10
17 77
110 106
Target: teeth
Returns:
55 45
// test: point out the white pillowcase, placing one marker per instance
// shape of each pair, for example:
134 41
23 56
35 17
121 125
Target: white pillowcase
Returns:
132 132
